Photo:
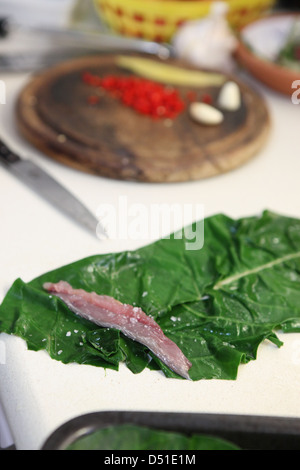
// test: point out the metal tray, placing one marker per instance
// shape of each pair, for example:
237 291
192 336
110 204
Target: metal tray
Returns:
247 432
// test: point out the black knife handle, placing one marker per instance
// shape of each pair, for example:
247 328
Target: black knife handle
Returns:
7 155
4 27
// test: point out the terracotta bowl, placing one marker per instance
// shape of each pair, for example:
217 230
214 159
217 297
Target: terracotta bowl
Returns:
267 35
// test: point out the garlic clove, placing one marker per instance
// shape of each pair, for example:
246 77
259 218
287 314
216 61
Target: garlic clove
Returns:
206 114
230 96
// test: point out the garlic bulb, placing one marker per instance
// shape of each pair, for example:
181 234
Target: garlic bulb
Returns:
209 42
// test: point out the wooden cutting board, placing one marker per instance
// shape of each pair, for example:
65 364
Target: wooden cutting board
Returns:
112 140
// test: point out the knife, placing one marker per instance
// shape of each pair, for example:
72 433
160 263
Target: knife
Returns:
41 182
72 43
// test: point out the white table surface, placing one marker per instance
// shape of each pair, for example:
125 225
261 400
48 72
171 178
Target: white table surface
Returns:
39 394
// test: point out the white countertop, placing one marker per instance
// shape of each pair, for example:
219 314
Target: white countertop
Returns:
39 394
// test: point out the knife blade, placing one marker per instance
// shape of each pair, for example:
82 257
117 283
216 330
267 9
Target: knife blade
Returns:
51 190
71 43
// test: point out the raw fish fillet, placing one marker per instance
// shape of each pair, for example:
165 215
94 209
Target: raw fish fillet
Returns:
132 321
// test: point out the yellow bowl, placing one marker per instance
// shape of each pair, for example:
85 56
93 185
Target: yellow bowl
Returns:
158 20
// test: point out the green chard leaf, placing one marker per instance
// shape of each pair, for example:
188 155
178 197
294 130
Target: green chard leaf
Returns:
134 437
217 302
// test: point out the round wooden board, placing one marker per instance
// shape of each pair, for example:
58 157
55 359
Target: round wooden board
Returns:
112 140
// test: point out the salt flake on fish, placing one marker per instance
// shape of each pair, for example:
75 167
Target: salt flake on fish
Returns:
108 312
